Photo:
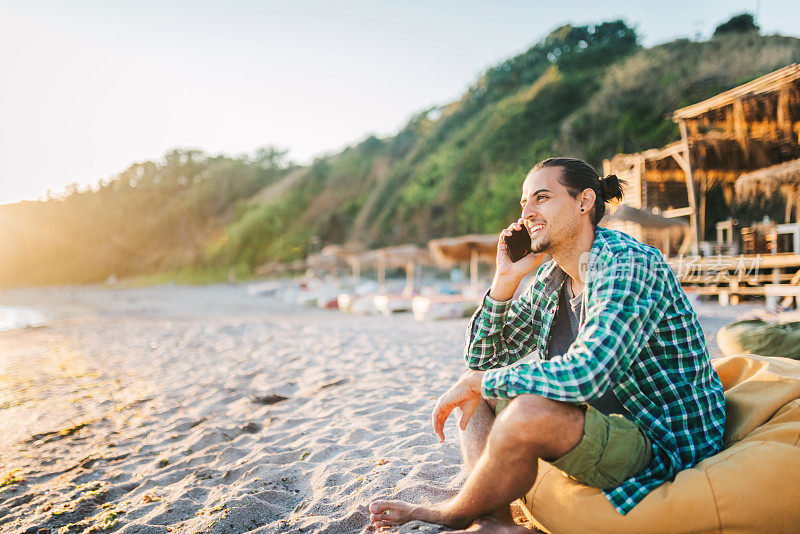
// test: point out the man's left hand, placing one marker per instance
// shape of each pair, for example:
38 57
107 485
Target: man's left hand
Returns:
465 395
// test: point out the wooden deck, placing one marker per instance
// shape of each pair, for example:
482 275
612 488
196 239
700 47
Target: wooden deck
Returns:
745 275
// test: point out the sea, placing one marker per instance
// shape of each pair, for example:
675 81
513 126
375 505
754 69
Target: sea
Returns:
12 317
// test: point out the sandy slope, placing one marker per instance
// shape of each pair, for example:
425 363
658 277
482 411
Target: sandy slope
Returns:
159 410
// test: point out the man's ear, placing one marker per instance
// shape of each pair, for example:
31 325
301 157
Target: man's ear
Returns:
587 199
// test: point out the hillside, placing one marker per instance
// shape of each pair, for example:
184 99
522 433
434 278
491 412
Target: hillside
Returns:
588 92
458 169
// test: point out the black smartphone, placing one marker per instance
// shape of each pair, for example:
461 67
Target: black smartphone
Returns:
518 243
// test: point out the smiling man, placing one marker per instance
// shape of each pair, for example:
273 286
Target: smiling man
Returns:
600 367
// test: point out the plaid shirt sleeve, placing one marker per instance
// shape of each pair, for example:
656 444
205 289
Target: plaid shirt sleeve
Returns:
499 333
626 307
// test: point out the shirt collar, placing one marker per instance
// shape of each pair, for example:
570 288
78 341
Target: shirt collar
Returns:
557 276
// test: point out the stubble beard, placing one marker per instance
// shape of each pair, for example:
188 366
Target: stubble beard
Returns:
541 246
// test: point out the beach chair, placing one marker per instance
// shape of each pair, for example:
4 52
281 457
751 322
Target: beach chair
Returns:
752 485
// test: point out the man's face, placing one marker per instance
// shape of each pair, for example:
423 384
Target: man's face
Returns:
550 213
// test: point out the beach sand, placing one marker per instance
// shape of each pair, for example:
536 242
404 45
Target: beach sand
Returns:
205 409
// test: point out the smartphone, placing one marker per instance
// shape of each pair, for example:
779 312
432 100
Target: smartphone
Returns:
518 243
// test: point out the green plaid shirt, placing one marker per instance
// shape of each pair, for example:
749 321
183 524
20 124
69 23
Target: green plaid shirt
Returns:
640 336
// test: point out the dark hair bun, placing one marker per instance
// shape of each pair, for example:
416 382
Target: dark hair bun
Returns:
610 188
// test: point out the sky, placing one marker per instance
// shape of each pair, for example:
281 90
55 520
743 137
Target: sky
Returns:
89 86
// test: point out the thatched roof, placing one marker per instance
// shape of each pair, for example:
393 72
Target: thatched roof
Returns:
272 267
646 219
764 84
298 265
325 263
451 250
393 257
342 251
769 180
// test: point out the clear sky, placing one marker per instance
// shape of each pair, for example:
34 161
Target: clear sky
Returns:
90 86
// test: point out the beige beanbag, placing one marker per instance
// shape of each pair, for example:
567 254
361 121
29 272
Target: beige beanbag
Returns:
753 485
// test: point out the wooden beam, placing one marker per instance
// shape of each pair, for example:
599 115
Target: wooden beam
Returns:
682 162
764 84
655 154
676 212
759 261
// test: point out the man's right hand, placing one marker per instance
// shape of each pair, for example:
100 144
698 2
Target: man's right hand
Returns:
509 274
465 395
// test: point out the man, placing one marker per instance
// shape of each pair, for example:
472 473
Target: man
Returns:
619 392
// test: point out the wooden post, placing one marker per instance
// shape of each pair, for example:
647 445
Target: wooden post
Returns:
473 270
382 274
685 162
409 277
787 192
356 271
641 170
701 206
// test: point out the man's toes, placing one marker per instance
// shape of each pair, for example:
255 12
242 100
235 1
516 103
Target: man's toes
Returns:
388 517
378 507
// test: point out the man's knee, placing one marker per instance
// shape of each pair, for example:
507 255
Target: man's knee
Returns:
534 420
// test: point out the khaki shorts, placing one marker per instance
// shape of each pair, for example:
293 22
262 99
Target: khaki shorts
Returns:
611 450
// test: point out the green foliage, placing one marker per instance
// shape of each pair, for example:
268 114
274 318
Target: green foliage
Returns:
152 217
744 22
632 110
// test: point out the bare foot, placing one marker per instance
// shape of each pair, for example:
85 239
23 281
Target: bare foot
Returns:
488 525
390 513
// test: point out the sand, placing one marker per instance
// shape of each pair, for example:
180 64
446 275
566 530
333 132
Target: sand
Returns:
205 409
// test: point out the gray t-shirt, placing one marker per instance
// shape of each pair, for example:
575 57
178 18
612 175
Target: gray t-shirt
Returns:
566 324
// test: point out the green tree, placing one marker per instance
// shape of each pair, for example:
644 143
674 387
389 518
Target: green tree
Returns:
741 23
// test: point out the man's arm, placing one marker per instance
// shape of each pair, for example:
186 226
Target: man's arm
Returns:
626 310
500 333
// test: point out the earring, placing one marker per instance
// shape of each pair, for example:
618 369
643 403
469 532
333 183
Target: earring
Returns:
581 210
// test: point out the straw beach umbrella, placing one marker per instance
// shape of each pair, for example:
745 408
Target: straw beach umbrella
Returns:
350 253
400 256
667 227
325 263
472 248
272 267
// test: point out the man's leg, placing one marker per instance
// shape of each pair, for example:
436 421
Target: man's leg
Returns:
473 441
532 427
473 438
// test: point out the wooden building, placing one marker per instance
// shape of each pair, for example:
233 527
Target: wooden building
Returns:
749 127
